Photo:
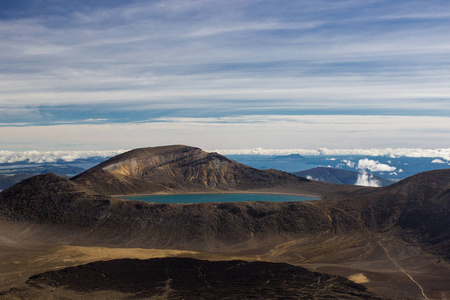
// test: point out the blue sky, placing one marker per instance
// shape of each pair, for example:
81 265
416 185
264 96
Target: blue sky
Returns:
85 75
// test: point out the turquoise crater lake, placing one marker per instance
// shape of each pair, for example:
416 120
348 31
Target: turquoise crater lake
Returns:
205 198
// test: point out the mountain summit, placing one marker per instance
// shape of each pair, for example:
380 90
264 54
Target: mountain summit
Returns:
177 168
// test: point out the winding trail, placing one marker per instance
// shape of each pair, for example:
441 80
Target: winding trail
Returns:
403 270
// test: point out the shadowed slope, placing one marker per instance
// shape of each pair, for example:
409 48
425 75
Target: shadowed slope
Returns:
50 199
418 205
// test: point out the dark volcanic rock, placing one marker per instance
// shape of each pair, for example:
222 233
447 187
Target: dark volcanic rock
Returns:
177 168
184 278
52 199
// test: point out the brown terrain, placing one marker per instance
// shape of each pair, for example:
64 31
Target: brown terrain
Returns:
393 240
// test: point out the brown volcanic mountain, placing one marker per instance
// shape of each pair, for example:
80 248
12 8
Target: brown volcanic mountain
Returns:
178 169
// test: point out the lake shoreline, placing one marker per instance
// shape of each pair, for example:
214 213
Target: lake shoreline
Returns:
218 198
218 192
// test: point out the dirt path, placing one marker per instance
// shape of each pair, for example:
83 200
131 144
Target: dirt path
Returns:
397 265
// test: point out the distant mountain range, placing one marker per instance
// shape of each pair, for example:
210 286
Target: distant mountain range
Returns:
340 176
288 157
12 175
7 181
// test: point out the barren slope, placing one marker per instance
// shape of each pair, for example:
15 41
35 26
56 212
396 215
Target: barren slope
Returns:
418 206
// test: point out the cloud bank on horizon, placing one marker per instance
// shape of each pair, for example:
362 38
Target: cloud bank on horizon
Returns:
362 164
39 157
442 156
241 74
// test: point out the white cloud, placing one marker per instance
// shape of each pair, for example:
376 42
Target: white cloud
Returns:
374 166
438 161
349 163
311 178
366 179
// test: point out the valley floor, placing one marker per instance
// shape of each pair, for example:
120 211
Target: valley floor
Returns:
386 266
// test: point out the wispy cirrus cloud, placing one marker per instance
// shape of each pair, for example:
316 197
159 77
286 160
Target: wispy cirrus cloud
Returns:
142 62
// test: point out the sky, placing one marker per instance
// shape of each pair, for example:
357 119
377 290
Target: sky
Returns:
99 75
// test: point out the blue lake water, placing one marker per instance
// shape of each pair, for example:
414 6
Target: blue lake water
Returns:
204 198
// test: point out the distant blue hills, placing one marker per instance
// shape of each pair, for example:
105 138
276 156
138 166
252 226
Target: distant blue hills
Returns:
340 176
